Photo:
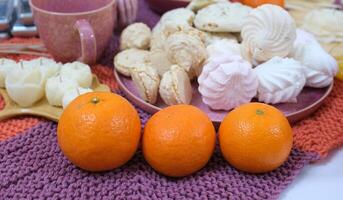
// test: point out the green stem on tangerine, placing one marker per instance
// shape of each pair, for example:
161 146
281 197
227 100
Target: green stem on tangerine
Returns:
259 112
95 100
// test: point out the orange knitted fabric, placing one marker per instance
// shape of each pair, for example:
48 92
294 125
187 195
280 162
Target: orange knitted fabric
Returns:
323 131
14 126
20 40
105 75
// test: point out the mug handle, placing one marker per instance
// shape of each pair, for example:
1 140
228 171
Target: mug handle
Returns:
88 42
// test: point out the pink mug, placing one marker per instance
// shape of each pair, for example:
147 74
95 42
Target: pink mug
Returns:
75 29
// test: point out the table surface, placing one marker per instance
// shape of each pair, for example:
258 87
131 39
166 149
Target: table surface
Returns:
323 180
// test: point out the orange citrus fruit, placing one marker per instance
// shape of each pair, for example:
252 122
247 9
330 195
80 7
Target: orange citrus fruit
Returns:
255 138
256 3
99 131
178 140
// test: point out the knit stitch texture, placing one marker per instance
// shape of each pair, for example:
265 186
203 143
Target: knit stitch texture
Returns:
33 167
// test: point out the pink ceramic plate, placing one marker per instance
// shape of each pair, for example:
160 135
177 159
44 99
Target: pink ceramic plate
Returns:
309 101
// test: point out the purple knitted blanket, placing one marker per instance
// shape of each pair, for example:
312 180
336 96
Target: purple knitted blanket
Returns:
33 167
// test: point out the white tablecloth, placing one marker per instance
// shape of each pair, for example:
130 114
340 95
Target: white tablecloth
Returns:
320 181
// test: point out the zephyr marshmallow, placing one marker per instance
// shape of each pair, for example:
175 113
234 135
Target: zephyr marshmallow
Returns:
227 81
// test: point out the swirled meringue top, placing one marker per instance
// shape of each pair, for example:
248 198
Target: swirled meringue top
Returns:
268 31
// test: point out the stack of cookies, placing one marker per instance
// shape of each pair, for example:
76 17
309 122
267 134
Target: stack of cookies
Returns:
236 53
174 56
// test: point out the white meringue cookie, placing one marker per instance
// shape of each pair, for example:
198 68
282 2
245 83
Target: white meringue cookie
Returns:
157 41
196 5
168 28
268 31
25 86
159 61
6 65
179 14
222 17
136 35
189 39
129 58
223 47
320 67
147 82
72 94
79 72
227 82
187 51
173 19
175 87
280 80
302 38
211 38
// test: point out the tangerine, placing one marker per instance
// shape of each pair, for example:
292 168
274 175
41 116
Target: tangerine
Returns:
99 131
178 140
256 3
255 138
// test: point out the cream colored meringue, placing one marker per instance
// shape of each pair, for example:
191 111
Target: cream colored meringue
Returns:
147 81
326 24
175 87
159 48
6 65
79 72
222 17
125 60
227 82
280 80
223 47
211 38
174 19
25 86
179 14
72 94
187 51
159 38
57 86
157 41
162 31
136 35
196 5
159 61
320 67
268 31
